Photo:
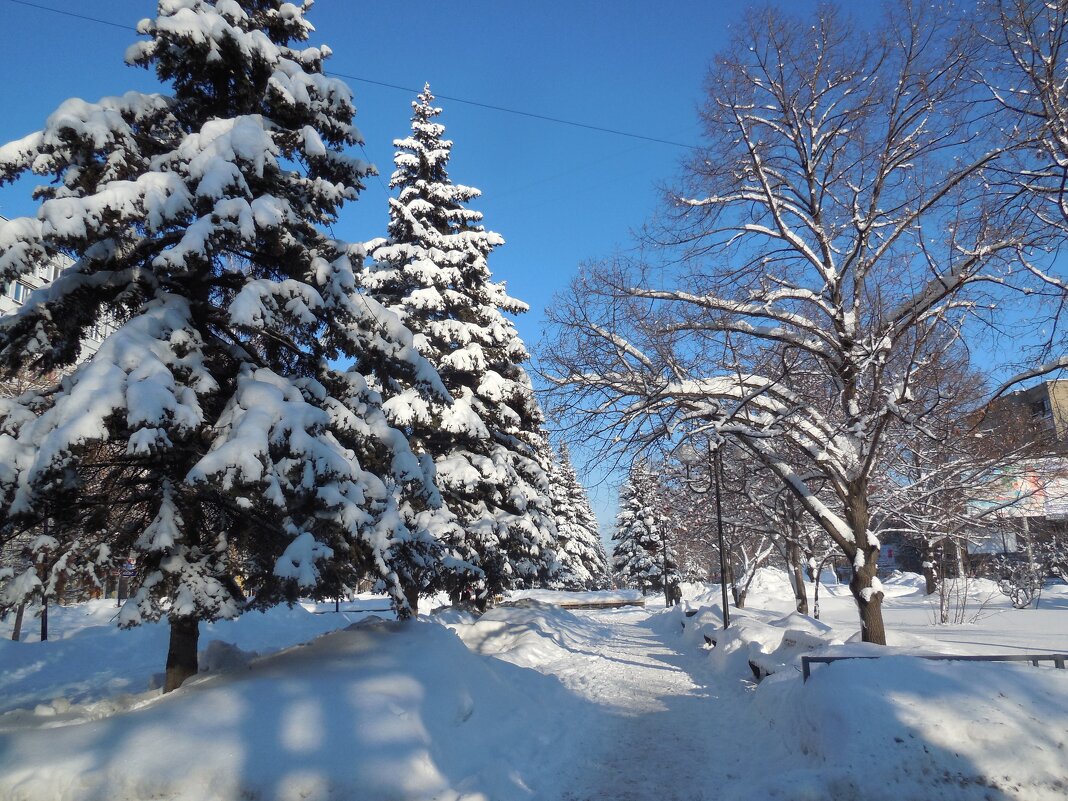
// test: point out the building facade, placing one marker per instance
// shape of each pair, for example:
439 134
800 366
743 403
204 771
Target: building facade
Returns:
16 293
1046 404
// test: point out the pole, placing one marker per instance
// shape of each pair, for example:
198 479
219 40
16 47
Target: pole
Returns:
664 573
19 612
717 469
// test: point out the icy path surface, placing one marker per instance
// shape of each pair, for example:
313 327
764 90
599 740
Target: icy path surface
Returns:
663 735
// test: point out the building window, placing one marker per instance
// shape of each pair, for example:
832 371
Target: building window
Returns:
1040 409
18 291
102 328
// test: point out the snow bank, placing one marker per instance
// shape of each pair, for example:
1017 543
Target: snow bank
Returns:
897 727
532 635
87 659
770 588
761 642
770 582
900 583
904 728
757 643
378 711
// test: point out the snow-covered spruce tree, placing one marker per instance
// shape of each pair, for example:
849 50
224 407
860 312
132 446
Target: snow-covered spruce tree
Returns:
584 564
432 272
642 554
211 417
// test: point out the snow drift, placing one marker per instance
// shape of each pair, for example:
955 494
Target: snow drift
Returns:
381 710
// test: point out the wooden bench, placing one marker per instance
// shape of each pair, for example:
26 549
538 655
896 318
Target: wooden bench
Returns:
600 604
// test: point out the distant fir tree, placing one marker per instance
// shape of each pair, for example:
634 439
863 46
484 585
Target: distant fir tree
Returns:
583 562
209 435
642 556
432 271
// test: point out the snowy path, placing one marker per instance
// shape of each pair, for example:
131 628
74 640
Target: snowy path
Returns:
527 703
662 735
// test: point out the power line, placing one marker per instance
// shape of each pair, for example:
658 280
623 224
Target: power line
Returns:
530 114
408 89
76 16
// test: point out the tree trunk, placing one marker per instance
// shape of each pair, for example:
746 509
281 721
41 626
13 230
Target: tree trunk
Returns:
797 575
871 619
865 568
17 632
816 594
869 602
958 551
44 620
733 585
930 577
411 593
182 654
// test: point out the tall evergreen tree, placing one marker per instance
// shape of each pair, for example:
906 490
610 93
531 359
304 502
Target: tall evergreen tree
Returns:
432 271
584 564
212 417
642 555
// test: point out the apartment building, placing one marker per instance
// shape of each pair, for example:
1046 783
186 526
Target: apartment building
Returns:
1047 404
1032 497
15 293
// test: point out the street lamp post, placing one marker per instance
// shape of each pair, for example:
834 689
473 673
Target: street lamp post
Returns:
717 469
714 464
664 570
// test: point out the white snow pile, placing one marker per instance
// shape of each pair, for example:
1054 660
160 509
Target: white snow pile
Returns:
531 635
758 641
900 583
381 710
87 658
905 728
890 728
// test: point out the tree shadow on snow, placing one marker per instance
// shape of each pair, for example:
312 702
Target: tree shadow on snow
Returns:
866 738
388 712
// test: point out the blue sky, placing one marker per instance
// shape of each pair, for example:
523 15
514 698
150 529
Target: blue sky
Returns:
558 194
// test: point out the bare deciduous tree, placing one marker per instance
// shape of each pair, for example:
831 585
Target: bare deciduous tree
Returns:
940 480
1025 69
839 221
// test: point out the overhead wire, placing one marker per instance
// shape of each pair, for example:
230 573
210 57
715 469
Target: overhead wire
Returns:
531 114
410 90
73 14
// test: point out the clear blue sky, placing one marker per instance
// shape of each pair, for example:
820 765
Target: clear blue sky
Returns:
558 194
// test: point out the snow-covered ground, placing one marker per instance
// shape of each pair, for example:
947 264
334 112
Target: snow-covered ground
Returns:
538 702
89 659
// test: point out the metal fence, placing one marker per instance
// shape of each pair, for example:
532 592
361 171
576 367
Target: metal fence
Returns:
1058 660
